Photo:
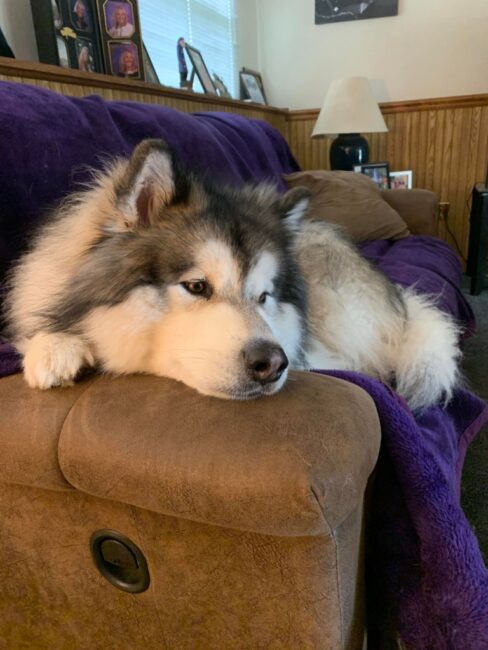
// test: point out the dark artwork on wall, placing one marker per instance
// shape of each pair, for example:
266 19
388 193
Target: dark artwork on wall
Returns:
336 11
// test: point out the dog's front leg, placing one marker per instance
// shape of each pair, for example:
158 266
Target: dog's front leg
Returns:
54 359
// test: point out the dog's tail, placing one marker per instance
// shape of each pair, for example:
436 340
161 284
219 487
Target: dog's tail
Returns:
427 361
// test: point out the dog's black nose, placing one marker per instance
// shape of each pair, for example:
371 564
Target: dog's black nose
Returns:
264 360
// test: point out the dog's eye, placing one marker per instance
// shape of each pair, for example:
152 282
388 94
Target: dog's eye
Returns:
262 298
196 287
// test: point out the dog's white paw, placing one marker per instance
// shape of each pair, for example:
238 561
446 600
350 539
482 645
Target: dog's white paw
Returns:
54 359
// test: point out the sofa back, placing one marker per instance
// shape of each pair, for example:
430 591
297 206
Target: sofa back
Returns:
49 142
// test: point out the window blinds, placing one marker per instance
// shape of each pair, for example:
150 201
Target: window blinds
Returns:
208 25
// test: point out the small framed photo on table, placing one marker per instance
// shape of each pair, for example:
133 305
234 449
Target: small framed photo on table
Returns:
401 180
252 86
378 172
200 69
248 86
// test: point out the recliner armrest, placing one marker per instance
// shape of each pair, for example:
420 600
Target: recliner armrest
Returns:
418 208
293 464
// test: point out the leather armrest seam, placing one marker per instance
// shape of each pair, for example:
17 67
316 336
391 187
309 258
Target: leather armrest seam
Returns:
61 429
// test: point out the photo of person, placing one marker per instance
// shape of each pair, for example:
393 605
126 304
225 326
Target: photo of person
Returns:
119 19
401 180
124 60
81 18
84 52
379 174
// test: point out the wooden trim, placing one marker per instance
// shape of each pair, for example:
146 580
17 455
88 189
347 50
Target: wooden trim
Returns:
407 106
57 74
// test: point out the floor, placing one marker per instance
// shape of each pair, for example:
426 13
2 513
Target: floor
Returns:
474 492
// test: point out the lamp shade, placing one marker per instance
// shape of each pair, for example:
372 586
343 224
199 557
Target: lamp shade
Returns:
349 107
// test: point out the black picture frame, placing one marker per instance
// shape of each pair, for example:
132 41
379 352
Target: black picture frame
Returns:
220 86
149 69
201 69
67 34
378 172
244 90
122 45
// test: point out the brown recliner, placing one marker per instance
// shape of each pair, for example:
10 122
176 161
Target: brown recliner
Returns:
249 515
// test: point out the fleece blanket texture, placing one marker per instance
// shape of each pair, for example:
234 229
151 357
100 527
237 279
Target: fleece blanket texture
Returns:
424 565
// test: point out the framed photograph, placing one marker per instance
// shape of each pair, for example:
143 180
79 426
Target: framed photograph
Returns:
149 69
244 88
220 86
336 11
67 34
200 69
124 60
120 33
251 88
401 180
378 172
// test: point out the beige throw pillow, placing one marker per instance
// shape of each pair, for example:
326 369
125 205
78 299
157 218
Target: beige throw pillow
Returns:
350 200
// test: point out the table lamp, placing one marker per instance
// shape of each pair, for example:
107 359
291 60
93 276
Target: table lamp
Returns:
349 108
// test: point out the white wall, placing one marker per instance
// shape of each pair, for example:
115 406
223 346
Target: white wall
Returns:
247 34
17 26
433 48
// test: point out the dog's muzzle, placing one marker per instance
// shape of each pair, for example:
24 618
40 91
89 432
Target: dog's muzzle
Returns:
265 361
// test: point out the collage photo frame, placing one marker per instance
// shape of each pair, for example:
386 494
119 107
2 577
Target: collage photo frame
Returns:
67 34
91 36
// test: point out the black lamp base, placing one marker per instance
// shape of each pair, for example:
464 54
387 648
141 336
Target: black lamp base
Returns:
347 150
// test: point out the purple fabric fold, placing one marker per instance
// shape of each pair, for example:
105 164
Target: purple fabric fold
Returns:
426 573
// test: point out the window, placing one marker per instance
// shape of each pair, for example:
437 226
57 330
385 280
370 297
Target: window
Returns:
208 25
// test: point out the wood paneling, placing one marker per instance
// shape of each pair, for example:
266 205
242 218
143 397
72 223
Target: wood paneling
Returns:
80 84
444 141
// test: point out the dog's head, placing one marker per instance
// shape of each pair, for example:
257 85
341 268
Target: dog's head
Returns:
217 265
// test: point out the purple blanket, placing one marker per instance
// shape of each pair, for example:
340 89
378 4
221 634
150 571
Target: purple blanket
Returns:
425 569
425 572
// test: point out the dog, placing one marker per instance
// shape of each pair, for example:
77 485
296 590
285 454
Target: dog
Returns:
156 270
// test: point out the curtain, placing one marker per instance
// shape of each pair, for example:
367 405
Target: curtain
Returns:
208 25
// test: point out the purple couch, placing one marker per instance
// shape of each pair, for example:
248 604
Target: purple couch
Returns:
426 576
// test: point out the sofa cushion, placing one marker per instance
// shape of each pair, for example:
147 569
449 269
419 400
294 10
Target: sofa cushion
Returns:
352 201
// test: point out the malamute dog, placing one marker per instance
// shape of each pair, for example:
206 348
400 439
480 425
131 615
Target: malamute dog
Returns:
157 271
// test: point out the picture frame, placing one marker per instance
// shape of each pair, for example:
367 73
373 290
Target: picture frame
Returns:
401 180
67 34
259 81
220 85
200 69
378 172
120 34
149 69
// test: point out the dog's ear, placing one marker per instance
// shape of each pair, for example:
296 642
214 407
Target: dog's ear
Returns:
292 207
153 179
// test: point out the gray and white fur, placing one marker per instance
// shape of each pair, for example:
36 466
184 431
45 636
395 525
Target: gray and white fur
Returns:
156 270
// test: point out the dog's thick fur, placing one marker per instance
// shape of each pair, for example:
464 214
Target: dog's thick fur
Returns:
154 270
